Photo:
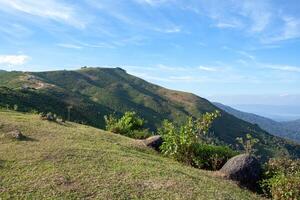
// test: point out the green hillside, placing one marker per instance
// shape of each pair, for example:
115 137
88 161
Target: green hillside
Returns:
95 92
72 161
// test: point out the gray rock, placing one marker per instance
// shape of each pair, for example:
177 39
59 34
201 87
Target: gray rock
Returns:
244 169
16 134
154 142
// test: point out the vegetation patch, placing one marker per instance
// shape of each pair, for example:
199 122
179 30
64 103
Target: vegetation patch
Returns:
282 179
130 125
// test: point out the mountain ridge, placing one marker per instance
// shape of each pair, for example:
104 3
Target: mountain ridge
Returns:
288 129
95 92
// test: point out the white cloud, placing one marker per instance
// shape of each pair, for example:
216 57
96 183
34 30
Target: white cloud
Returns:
69 46
175 29
245 54
153 2
259 12
13 59
209 69
171 68
49 9
227 25
286 68
290 30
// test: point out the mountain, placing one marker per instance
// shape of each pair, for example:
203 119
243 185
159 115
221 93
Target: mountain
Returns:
274 112
73 161
95 92
289 130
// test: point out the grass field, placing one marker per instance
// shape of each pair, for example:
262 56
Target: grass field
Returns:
72 161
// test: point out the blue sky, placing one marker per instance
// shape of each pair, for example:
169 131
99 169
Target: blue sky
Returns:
246 49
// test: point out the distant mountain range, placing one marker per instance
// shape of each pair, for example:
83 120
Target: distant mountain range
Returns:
274 112
92 93
289 129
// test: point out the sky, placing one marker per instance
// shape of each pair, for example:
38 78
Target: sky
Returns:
233 51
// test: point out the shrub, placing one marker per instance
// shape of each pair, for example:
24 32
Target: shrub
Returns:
140 134
282 179
212 157
248 143
180 143
130 125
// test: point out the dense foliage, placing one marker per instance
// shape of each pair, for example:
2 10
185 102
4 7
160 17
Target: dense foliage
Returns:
130 125
282 179
212 157
188 143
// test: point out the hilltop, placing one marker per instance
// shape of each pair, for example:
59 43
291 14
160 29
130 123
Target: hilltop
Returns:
94 92
73 161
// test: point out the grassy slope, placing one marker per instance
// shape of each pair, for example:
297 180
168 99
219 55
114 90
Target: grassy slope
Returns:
73 161
94 92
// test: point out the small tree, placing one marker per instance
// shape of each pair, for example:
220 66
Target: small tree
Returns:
205 121
15 107
130 124
248 143
180 142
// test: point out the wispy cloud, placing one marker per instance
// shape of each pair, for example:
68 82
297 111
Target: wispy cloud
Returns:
246 54
208 69
153 2
287 68
69 46
47 9
289 30
13 59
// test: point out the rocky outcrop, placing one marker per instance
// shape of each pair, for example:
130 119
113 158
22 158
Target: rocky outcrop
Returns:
154 142
16 134
244 169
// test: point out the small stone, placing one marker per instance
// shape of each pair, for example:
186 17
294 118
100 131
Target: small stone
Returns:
17 135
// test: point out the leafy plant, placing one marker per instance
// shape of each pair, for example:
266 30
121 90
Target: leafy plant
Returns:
282 179
180 142
212 157
130 124
248 143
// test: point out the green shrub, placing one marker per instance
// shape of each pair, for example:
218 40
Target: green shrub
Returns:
212 157
140 134
180 143
248 143
282 179
130 125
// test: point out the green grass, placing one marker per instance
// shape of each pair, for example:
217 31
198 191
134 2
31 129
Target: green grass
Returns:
72 161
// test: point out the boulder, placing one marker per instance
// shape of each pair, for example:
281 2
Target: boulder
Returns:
16 134
154 142
244 169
